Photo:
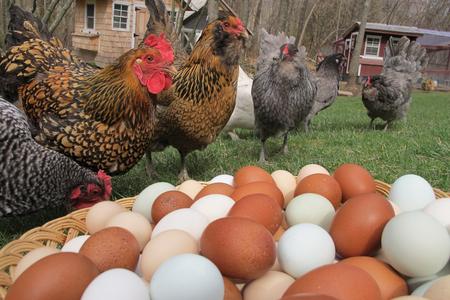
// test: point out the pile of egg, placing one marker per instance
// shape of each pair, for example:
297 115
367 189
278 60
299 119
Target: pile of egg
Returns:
255 236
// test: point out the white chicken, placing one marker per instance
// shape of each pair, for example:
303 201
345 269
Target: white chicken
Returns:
243 115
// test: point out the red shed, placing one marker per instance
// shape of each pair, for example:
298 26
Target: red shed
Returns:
372 50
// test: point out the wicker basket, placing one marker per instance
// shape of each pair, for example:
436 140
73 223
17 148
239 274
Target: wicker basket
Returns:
57 232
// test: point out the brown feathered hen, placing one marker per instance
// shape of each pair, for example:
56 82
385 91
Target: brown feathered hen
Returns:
102 118
203 94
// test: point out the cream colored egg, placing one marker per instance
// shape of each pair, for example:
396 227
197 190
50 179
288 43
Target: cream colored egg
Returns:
164 246
439 290
99 214
190 188
271 286
30 258
286 182
75 244
135 223
311 169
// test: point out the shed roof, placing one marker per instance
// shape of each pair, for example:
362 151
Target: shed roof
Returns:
386 28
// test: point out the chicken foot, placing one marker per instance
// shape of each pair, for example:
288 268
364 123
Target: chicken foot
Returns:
183 175
150 170
284 148
263 153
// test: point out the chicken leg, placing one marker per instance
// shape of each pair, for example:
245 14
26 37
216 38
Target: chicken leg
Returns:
284 148
150 170
263 153
183 175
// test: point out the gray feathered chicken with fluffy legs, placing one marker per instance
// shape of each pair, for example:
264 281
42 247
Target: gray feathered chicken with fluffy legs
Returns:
34 177
327 75
388 95
283 89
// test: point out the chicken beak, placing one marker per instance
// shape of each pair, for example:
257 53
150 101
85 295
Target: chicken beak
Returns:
138 61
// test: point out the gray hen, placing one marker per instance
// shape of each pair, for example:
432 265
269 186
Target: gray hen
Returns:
327 75
283 89
388 95
33 177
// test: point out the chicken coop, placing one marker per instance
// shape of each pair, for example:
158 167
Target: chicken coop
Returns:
105 29
376 37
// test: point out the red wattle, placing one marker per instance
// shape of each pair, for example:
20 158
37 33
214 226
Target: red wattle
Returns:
156 82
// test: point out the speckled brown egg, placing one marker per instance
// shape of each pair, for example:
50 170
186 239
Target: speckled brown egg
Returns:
308 296
322 184
215 188
242 249
249 174
354 180
390 283
167 202
112 247
342 281
259 208
58 276
231 290
357 226
265 188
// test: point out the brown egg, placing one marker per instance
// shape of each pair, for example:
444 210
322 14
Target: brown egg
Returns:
268 189
308 296
167 202
354 180
240 248
259 208
231 291
215 188
342 281
321 184
390 283
112 247
250 174
357 226
62 275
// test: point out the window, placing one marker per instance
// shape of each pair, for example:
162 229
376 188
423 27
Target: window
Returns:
90 16
120 16
372 45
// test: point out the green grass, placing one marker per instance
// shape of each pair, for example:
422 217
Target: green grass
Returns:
419 145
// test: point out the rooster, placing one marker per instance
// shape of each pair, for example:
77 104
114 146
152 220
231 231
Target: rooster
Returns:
388 95
34 177
283 89
203 94
101 118
327 76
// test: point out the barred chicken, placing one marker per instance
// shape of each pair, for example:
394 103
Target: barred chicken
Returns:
203 94
101 118
388 95
283 89
33 177
327 76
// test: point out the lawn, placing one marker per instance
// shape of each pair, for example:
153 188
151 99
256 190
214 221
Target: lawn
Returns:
419 145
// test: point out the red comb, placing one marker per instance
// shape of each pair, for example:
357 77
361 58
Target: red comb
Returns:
286 50
162 44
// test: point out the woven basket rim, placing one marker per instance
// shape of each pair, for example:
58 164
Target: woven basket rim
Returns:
57 232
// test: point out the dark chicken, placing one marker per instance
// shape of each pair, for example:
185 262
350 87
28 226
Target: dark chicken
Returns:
203 94
33 177
283 89
327 79
388 95
102 118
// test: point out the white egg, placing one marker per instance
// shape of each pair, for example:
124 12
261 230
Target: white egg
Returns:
310 208
422 289
144 201
411 192
138 269
75 244
116 284
415 244
224 178
186 219
187 277
309 170
440 210
415 282
214 206
304 247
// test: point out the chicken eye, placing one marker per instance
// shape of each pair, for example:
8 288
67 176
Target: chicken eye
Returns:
226 24
149 58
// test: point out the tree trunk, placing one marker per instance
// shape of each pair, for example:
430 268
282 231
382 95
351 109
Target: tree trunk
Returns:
302 18
305 24
354 64
213 10
49 11
60 15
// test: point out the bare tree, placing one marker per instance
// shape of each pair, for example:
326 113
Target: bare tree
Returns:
305 24
60 15
354 64
49 11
